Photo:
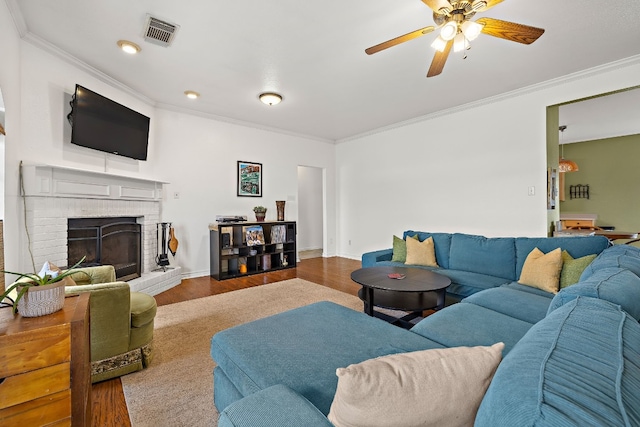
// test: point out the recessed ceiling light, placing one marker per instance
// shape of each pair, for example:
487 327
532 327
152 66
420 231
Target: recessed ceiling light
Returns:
270 98
129 47
191 94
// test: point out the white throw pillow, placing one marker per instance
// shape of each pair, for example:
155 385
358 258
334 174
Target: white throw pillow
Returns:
441 387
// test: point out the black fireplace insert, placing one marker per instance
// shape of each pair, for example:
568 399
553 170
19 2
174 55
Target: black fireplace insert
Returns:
113 241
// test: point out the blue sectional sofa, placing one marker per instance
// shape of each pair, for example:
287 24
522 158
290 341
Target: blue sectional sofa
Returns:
572 358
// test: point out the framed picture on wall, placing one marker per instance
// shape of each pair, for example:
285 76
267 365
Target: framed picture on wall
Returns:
249 179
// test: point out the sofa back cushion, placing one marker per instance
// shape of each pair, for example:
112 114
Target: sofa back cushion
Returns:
617 285
441 242
578 366
495 256
576 246
612 259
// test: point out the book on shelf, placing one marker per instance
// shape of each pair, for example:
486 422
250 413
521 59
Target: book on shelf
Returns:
255 235
278 234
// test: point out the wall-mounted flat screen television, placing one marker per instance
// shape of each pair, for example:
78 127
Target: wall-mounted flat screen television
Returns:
102 124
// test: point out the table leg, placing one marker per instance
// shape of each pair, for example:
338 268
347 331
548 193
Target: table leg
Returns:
368 301
441 298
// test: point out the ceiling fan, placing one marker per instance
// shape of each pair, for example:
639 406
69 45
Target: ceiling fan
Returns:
457 30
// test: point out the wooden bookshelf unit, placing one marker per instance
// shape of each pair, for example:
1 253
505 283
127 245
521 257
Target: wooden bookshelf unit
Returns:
229 250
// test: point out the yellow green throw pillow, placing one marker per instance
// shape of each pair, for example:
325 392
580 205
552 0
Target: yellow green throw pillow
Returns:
400 249
421 253
572 268
542 270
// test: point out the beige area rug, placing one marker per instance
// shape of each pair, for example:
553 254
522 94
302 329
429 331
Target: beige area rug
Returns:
177 389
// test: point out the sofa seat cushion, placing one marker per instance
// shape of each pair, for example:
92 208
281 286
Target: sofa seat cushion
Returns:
514 303
143 309
491 256
528 289
274 406
471 325
580 366
465 283
616 285
302 348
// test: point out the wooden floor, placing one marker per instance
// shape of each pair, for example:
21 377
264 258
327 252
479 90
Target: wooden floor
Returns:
108 405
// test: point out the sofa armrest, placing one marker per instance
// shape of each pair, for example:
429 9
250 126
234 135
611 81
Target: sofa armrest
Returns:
277 405
110 317
98 274
369 259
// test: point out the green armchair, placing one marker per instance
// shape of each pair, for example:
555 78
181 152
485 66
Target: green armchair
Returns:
121 323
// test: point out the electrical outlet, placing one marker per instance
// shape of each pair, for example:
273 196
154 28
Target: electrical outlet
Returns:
532 191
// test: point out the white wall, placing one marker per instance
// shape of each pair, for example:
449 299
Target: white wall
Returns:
198 156
465 171
310 231
10 84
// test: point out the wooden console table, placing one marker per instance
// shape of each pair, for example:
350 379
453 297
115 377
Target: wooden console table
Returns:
45 376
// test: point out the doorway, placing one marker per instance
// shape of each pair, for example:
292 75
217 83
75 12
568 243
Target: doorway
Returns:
310 212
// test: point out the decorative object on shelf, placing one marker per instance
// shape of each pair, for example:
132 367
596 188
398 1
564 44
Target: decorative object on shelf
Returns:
249 179
280 208
255 235
242 268
284 261
564 164
260 212
42 293
579 191
253 252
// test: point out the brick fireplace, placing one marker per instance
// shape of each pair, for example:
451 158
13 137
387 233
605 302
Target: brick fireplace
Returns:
56 195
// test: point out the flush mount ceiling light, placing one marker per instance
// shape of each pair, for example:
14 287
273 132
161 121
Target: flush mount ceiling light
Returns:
270 98
191 94
129 47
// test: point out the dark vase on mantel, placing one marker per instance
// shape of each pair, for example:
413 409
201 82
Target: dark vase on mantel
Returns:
280 208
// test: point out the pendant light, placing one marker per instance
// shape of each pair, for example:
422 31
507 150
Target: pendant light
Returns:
565 165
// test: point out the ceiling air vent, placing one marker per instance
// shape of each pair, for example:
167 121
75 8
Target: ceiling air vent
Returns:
160 32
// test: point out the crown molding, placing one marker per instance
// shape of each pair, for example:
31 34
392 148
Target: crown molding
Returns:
626 62
174 108
70 59
18 18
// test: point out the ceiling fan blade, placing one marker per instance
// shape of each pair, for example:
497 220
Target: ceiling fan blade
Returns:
510 30
439 60
436 5
490 4
401 39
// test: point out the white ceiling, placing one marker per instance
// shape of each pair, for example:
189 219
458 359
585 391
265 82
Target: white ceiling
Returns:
313 54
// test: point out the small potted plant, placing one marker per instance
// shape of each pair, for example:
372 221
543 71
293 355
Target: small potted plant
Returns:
260 212
39 294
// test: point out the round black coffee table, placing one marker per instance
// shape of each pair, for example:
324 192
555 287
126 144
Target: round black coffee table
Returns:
419 290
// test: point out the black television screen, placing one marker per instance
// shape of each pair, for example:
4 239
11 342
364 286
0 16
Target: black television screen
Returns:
102 124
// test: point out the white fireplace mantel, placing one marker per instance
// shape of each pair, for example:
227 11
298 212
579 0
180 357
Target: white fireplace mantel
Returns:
53 194
56 181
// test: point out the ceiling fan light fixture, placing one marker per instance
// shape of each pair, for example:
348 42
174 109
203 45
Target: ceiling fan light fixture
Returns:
471 30
270 98
439 44
449 30
460 43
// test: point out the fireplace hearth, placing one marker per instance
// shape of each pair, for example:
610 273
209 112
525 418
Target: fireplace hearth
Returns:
106 241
